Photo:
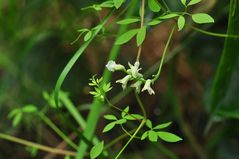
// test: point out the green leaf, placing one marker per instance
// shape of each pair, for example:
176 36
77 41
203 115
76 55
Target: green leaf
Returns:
154 22
181 23
121 121
168 137
228 114
67 157
124 38
128 21
169 16
149 123
154 6
184 2
125 112
145 134
134 117
109 127
162 126
202 18
14 112
192 2
107 87
17 118
32 150
88 35
97 150
141 36
107 4
110 117
82 30
29 109
153 136
118 3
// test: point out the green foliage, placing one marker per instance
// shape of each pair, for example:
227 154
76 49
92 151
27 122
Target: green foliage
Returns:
133 77
154 5
118 3
67 157
17 114
99 7
202 18
128 21
141 36
126 37
162 126
168 137
181 23
99 92
192 2
33 151
96 150
184 2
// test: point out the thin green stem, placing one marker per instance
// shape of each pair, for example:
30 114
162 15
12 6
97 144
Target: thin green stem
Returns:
164 53
132 137
37 146
212 33
128 133
166 6
73 110
141 26
141 105
162 7
121 110
57 130
96 106
116 140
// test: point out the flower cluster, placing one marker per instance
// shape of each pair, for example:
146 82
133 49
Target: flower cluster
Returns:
132 75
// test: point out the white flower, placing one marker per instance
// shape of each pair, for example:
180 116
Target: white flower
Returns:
137 86
124 81
148 87
134 69
112 66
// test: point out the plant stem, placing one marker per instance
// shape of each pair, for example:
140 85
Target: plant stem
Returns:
141 105
227 65
38 146
73 110
212 33
165 4
131 138
141 26
97 105
164 53
76 56
57 130
121 110
128 132
117 139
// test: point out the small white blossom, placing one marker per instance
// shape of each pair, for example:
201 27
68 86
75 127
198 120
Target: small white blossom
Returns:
137 86
112 66
124 81
134 69
147 86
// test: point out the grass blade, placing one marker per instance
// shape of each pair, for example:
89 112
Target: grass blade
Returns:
73 60
228 60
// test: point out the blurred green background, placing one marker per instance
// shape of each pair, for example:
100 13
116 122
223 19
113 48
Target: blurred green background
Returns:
35 45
